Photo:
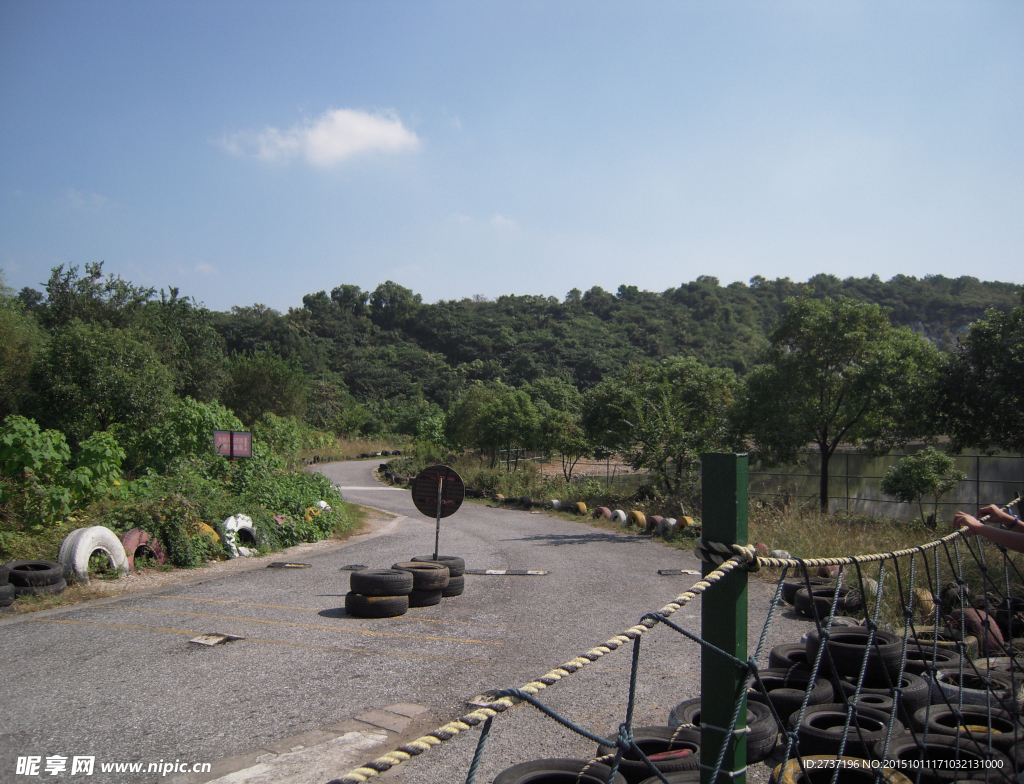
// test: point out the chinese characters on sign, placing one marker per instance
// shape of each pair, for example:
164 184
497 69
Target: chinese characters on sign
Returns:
232 443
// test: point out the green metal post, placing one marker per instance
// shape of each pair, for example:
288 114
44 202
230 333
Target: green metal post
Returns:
723 618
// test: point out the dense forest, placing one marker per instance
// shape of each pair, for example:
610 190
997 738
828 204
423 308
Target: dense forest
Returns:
656 378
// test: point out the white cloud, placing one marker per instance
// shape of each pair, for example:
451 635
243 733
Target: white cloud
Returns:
329 139
85 201
205 268
501 222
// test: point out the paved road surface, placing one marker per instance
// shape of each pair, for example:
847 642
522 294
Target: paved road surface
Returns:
116 678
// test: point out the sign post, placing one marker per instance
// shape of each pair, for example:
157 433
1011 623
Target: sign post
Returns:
438 491
233 443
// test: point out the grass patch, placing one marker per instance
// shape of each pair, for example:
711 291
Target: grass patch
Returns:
73 594
350 449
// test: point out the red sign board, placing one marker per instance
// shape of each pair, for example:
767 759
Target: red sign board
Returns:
424 491
233 443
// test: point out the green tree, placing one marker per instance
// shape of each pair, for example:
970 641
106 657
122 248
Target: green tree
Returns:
94 377
492 418
983 391
262 383
92 299
559 407
21 341
185 428
183 335
836 372
927 472
662 417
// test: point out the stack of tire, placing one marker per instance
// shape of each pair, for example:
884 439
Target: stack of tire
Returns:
29 578
456 584
379 593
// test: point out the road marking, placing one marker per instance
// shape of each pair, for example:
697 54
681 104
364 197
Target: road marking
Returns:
313 609
303 625
514 572
285 643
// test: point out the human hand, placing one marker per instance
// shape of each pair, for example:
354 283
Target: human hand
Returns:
996 515
960 519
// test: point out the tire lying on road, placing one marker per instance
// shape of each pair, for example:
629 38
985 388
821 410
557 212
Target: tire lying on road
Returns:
456 587
784 689
790 587
375 606
95 539
381 582
972 724
819 601
33 574
40 590
456 566
846 646
581 771
425 598
426 576
821 731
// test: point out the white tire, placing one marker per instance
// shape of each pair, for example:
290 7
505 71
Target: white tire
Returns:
64 555
555 504
232 526
667 527
323 506
618 515
90 540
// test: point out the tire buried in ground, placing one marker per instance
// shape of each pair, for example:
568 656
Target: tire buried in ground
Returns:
762 731
96 538
456 587
375 606
425 598
821 731
558 770
657 740
381 582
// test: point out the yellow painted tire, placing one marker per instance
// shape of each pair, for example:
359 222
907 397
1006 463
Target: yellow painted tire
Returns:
209 533
793 774
499 496
581 508
638 519
686 522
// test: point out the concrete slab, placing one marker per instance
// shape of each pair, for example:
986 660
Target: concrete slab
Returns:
385 720
409 709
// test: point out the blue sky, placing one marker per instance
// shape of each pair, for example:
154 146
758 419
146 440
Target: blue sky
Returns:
257 151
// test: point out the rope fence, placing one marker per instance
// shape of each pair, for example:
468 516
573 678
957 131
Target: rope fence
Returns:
907 749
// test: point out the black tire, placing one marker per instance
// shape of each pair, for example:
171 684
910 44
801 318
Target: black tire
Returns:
6 595
679 777
821 731
786 691
914 695
919 658
456 587
789 654
381 582
846 646
790 587
456 566
40 590
998 687
939 749
425 598
762 731
34 573
4 573
819 601
375 606
943 720
655 740
560 770
425 576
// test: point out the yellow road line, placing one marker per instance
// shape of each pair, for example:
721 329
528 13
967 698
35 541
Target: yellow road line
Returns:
299 625
367 652
313 609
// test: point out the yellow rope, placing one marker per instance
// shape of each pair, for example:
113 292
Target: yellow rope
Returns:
849 560
470 720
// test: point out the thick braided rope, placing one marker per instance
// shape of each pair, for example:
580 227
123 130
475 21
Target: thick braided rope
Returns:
470 720
718 553
848 560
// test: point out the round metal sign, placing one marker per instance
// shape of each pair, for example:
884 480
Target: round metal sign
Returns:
424 491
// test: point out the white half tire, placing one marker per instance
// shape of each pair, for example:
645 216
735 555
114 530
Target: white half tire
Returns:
232 526
64 555
93 539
